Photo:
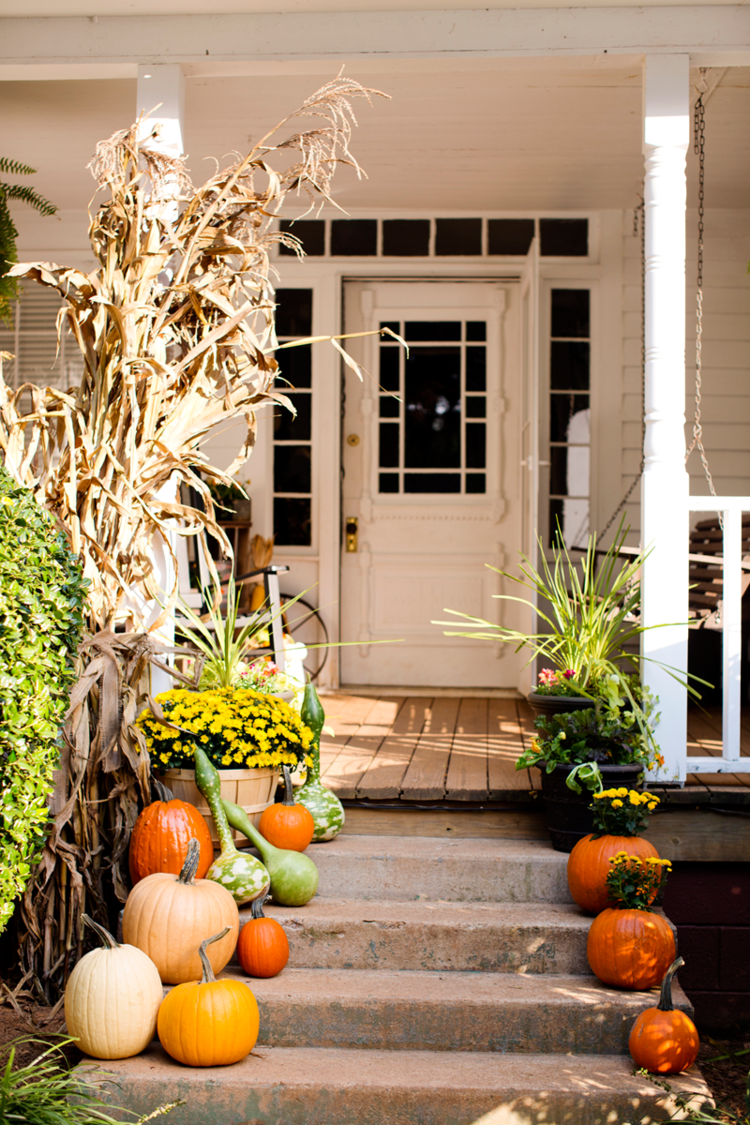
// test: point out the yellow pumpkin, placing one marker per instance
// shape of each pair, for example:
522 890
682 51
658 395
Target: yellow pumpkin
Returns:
168 916
112 999
209 1022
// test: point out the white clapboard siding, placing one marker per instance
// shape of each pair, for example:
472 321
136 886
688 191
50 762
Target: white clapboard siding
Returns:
726 355
32 340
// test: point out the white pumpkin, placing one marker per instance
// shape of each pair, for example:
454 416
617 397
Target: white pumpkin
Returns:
112 999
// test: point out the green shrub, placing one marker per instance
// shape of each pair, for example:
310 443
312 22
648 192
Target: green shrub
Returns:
42 592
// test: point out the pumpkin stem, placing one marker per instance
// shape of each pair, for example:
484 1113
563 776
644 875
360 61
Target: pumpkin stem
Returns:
105 935
288 791
190 866
208 973
665 1000
256 906
163 793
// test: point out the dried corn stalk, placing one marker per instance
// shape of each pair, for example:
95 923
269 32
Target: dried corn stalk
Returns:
176 329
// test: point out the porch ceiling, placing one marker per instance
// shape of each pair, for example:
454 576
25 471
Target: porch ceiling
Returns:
479 135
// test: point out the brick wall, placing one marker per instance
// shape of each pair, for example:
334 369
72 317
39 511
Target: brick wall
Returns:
710 905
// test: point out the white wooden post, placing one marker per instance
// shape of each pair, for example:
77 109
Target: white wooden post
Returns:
163 86
664 490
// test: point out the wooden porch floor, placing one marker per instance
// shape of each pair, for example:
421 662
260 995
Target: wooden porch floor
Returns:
421 748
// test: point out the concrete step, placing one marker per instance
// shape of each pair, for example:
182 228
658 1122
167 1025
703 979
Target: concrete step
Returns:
332 1086
332 933
427 1011
419 867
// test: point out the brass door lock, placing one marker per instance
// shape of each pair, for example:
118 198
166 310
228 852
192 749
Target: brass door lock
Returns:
351 533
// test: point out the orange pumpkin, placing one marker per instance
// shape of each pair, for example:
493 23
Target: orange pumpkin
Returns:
588 867
209 1022
287 825
263 947
664 1040
630 948
159 841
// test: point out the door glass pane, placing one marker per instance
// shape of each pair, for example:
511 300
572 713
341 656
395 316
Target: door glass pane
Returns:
389 406
291 521
569 366
432 330
389 369
569 417
475 482
476 445
476 369
432 482
291 468
291 427
295 367
388 445
433 408
431 430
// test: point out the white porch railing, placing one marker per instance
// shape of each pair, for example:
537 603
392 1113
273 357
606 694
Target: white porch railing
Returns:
731 509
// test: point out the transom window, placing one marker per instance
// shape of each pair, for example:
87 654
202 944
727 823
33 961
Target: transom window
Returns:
570 416
433 408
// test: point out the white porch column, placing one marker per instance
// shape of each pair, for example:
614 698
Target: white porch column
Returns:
664 490
163 87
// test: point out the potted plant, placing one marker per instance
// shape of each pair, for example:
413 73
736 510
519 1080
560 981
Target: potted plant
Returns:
246 735
579 751
245 713
590 616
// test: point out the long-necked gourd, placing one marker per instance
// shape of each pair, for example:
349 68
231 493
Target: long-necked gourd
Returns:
243 875
327 810
294 876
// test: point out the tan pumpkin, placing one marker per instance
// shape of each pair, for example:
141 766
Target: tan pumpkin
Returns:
112 999
168 916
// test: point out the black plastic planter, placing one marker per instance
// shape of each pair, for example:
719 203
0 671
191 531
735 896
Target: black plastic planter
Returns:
557 704
569 818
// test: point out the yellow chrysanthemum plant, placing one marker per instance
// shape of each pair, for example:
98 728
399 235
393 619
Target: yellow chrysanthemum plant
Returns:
634 883
235 727
622 812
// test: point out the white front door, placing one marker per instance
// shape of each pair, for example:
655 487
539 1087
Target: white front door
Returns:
423 454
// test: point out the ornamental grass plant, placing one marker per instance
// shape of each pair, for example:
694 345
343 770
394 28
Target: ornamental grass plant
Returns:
235 727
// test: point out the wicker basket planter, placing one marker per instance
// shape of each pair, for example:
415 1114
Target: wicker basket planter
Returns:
253 790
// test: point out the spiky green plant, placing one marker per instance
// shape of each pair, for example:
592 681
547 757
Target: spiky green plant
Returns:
8 233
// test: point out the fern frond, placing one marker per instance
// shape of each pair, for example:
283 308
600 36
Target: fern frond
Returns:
15 167
27 195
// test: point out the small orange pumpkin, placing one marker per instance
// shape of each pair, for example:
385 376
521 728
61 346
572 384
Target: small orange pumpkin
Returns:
209 1022
263 947
664 1040
630 948
588 867
287 825
159 840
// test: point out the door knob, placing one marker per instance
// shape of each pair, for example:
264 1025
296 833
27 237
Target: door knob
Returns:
351 533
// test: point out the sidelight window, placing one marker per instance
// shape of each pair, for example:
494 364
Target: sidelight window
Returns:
433 408
292 434
570 415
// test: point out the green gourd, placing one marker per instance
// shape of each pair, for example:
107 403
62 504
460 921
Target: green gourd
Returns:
243 875
327 810
294 876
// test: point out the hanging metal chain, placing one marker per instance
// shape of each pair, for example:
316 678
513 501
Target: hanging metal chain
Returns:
639 216
699 146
